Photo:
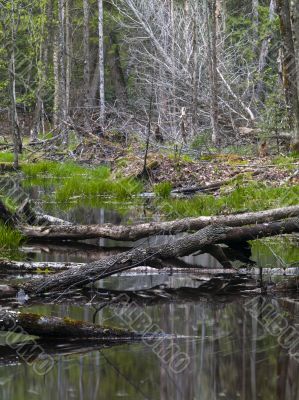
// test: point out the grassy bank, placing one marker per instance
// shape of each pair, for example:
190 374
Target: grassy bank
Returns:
252 196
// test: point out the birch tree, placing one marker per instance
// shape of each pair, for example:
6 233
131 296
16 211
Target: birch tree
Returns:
101 63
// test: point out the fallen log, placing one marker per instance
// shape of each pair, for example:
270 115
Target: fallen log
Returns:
8 266
172 266
79 277
135 232
59 328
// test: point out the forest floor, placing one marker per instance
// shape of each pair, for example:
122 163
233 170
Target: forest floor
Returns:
179 167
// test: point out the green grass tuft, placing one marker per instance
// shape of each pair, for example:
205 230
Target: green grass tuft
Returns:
251 197
6 157
163 189
52 168
119 188
10 239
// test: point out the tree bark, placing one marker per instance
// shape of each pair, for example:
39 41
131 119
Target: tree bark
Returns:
79 277
212 60
135 232
290 80
15 127
101 63
296 45
86 54
62 110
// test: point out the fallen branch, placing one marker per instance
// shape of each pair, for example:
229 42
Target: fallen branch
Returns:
135 232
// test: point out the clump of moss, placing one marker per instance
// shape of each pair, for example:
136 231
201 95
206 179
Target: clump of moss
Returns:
163 189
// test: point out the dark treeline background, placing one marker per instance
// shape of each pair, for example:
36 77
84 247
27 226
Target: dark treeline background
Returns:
218 69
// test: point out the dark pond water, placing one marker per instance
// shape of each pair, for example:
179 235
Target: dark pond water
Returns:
224 350
211 348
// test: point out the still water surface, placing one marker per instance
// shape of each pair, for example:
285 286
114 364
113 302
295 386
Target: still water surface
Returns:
213 348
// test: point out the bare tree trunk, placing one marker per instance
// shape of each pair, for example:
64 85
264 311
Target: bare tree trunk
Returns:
62 71
12 89
212 59
290 80
56 82
86 53
41 66
296 45
101 64
264 52
68 55
255 25
116 70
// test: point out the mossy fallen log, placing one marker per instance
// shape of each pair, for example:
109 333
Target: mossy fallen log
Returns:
59 328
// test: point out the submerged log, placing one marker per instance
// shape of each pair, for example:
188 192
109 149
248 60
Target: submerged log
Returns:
8 266
59 328
135 232
79 277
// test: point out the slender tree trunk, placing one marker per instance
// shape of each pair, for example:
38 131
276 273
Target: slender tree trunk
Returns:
101 63
296 45
56 82
212 59
68 55
86 53
290 81
264 52
255 25
12 89
116 70
41 65
62 71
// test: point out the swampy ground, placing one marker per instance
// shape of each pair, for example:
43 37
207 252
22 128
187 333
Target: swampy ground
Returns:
226 347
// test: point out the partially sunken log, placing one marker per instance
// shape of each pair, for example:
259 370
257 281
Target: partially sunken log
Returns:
135 232
59 328
79 277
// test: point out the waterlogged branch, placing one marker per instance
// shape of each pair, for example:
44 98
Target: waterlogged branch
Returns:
79 277
135 232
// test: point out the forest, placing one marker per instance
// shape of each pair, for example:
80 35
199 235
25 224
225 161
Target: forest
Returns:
149 199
